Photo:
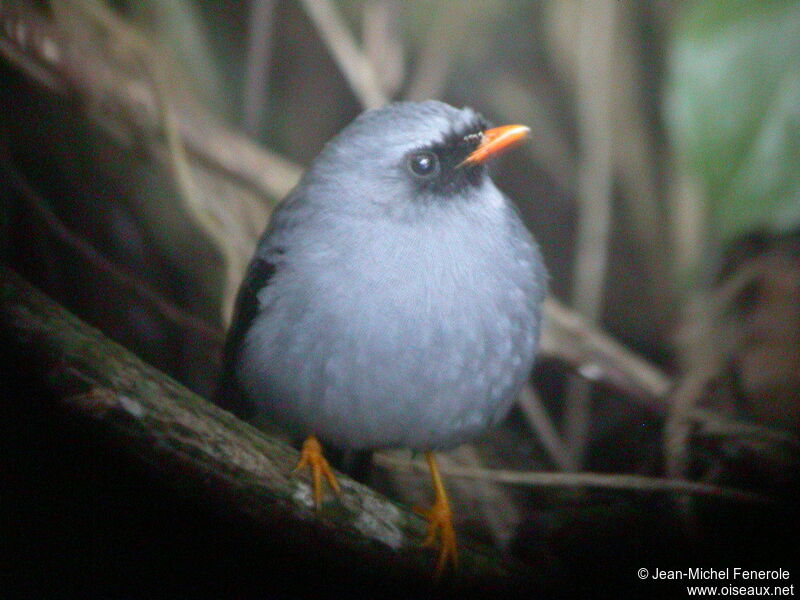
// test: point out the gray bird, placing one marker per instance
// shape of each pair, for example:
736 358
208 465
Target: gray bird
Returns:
395 298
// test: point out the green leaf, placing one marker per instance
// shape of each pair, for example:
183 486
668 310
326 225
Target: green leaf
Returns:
733 110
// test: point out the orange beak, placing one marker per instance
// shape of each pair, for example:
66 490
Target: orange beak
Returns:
496 141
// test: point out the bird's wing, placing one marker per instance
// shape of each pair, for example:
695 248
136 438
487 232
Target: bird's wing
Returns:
229 395
262 267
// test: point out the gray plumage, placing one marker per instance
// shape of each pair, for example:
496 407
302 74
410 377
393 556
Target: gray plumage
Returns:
386 310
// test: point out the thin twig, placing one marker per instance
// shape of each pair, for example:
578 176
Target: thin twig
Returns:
600 358
713 424
500 514
354 65
707 348
686 207
257 64
569 480
539 420
678 427
595 178
635 160
383 44
594 100
440 47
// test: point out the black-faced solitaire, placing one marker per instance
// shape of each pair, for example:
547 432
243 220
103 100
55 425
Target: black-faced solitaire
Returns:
395 298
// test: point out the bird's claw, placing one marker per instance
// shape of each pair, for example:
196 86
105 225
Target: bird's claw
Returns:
440 528
311 456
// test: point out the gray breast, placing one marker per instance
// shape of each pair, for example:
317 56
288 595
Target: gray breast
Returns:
424 348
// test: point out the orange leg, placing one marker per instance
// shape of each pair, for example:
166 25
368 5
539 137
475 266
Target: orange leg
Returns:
440 521
311 456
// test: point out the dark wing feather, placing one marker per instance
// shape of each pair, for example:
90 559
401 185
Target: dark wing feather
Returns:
229 395
262 268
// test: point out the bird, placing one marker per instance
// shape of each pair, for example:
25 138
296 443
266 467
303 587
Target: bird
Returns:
394 300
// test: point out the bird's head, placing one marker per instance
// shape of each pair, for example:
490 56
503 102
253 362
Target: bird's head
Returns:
407 158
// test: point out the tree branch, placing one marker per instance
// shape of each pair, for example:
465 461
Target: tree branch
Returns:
599 358
200 448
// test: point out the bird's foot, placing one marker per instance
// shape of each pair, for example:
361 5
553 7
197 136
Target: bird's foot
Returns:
440 522
440 528
311 456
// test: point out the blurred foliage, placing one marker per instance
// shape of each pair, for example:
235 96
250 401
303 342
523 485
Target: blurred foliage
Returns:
732 102
733 108
182 27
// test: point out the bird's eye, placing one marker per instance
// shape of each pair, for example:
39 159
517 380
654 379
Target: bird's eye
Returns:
423 164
